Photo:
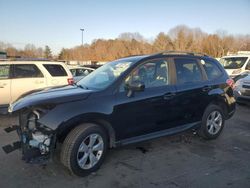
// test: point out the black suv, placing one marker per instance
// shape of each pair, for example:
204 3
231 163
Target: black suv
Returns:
125 101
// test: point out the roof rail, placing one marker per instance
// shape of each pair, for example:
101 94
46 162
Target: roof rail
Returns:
26 59
181 53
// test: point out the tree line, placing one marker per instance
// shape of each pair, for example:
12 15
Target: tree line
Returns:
179 38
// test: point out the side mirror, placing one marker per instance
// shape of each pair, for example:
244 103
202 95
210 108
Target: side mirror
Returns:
135 86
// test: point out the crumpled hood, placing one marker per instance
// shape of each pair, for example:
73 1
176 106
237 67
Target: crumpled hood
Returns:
54 95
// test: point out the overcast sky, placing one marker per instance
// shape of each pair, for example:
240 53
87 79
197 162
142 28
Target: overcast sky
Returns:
57 23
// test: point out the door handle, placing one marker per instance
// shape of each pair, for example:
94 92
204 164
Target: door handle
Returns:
168 96
206 88
39 82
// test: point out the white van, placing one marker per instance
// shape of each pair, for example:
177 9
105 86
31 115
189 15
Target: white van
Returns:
236 64
19 77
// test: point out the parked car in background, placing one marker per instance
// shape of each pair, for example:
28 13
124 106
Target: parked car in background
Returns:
242 88
236 64
94 66
125 101
19 77
79 72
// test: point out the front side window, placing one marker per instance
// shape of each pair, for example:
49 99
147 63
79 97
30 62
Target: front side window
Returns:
187 71
211 69
55 70
4 71
233 62
151 74
26 71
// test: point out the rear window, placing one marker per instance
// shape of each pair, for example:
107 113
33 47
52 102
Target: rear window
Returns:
4 71
26 71
187 71
211 69
55 70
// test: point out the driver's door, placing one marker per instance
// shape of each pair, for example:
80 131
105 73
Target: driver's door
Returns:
149 110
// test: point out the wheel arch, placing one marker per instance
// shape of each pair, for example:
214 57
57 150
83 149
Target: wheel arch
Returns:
99 119
221 102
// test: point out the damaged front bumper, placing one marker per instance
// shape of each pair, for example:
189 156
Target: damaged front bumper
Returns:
36 141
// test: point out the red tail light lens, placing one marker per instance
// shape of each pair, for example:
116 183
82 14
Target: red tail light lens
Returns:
230 82
71 81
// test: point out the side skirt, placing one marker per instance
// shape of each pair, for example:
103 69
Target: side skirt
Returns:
158 134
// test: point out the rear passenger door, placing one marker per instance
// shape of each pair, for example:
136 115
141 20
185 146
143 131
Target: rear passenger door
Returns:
26 77
190 90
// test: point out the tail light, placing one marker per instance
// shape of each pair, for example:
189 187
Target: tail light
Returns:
71 81
230 82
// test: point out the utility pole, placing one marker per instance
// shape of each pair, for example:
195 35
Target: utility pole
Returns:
82 35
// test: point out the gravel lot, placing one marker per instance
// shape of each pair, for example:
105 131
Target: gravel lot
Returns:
179 161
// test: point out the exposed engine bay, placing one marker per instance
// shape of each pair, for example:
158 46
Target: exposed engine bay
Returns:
36 140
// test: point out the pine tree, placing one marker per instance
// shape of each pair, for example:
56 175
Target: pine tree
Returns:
61 55
47 52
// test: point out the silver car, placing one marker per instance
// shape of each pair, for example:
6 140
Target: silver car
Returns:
79 72
242 88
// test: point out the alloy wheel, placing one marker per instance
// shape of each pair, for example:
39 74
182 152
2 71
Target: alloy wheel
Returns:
214 122
90 151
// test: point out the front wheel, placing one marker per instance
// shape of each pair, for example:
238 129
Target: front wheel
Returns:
212 122
84 149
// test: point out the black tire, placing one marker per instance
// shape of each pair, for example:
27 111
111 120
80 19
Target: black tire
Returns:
69 151
203 131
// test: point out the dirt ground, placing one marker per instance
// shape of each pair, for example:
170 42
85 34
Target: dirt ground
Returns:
183 160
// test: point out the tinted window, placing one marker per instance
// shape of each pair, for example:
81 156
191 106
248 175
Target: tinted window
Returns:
152 74
211 69
55 70
26 71
4 71
187 71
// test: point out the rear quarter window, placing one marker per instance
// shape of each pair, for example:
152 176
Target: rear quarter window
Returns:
211 68
55 70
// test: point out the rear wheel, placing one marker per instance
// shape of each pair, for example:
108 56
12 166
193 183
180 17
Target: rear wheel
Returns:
84 149
212 122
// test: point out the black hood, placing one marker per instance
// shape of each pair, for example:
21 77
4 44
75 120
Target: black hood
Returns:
54 95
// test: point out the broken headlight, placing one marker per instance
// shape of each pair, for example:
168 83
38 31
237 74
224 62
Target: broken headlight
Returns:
36 138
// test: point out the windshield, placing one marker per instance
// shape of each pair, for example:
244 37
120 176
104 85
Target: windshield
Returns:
233 62
105 75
